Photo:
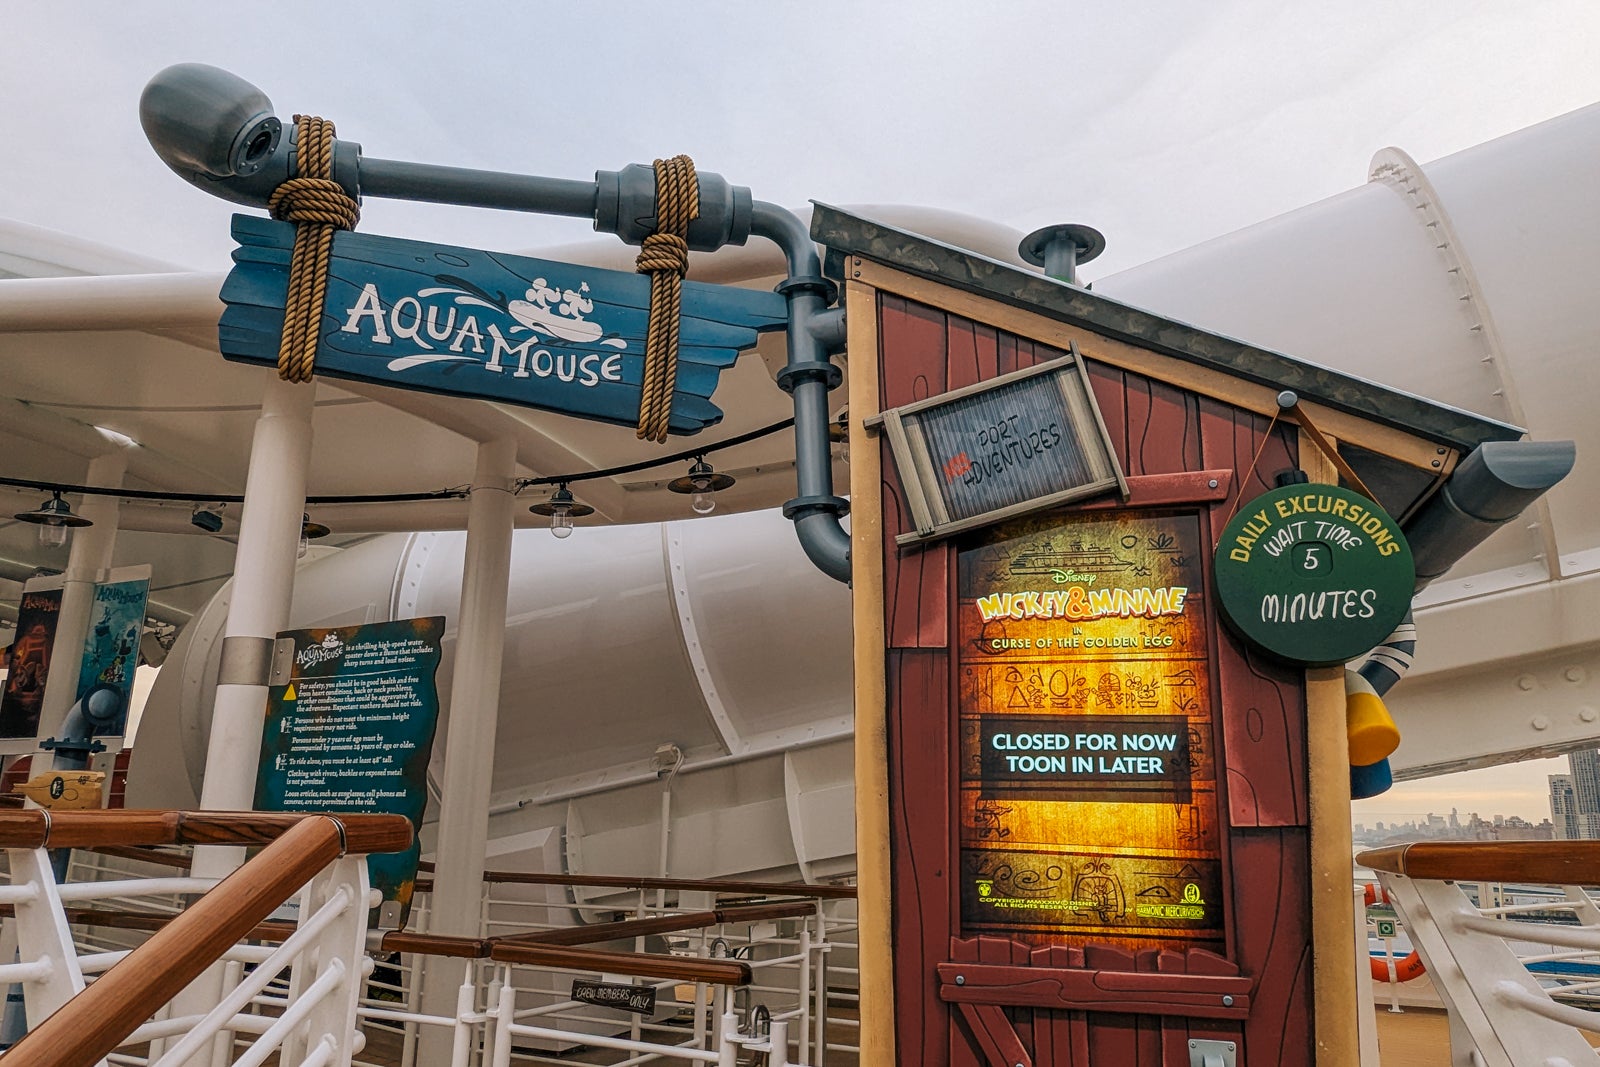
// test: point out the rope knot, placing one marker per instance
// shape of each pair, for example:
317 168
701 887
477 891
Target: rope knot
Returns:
664 255
663 251
318 206
314 200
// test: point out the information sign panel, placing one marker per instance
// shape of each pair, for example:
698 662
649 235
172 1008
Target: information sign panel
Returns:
639 999
1018 443
1316 574
349 727
1087 762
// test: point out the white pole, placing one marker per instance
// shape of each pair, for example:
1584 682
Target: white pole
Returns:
263 585
258 607
89 556
456 904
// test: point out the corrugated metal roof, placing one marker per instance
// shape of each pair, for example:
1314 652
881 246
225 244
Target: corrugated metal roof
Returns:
844 234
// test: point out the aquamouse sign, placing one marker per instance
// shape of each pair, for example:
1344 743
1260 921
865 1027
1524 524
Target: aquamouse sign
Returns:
464 322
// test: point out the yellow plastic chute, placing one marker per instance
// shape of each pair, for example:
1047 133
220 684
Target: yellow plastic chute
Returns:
1373 734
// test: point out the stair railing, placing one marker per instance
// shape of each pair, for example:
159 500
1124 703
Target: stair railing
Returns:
1506 1016
71 1024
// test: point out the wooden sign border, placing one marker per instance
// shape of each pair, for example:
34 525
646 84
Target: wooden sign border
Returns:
920 476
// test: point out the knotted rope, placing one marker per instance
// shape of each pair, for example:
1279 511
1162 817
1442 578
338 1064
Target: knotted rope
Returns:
318 206
665 257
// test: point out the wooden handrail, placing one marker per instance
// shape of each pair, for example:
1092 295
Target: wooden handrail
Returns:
100 1018
463 948
144 855
36 828
642 964
713 885
1547 862
112 919
595 933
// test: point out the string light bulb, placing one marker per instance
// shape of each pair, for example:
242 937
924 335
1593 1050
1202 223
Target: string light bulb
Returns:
562 508
700 483
55 520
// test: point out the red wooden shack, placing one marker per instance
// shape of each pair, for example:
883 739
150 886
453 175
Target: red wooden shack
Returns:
1028 895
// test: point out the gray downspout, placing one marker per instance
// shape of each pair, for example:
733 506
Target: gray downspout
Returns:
1492 486
808 376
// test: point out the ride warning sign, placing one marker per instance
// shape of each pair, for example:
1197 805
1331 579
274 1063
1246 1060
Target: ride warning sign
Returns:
1087 760
350 722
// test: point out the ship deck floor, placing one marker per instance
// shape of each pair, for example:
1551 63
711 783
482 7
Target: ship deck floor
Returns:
1420 1037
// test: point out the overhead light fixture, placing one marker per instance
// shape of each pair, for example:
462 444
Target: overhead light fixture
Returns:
701 481
117 437
309 531
55 520
562 508
206 518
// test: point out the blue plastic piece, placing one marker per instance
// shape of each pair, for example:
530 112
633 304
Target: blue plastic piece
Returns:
1371 780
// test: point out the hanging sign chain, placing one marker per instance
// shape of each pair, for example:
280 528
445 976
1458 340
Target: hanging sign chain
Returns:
318 206
665 257
1238 495
1289 403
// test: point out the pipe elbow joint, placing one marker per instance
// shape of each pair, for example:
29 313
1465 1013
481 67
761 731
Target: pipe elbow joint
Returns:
213 129
822 536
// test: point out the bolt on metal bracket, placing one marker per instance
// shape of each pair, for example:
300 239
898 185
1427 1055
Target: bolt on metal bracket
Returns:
1212 1054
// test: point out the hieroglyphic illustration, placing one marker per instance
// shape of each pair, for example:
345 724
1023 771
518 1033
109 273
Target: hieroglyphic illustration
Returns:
1087 758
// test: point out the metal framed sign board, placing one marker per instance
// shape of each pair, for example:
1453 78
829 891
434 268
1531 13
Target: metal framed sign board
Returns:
1002 448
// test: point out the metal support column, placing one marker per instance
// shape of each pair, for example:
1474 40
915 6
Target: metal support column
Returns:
263 585
90 555
469 743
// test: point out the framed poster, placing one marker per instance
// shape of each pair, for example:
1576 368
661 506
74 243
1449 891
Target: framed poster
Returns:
111 647
28 665
1086 748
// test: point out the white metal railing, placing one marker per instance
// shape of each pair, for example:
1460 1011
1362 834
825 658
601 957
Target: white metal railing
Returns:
314 1023
1502 1013
291 999
794 982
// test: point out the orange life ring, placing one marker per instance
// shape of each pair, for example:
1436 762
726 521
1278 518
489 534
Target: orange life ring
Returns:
1404 969
1373 892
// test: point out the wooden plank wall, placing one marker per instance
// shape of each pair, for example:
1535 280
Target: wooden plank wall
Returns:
1157 428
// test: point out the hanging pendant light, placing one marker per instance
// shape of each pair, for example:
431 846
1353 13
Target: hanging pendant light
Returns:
309 531
562 508
701 481
55 520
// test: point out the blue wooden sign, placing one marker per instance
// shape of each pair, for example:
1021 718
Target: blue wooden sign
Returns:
491 326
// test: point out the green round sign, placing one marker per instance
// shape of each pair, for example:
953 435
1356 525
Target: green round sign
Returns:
1315 574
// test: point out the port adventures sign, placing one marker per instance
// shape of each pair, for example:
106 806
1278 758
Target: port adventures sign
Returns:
1315 574
491 326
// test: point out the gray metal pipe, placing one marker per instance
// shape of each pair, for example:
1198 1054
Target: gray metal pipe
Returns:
218 132
808 377
426 182
1488 489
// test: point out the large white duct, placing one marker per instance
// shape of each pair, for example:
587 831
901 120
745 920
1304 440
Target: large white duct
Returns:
1470 281
1465 281
714 635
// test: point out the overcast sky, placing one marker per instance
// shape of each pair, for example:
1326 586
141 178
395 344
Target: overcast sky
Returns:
1162 124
